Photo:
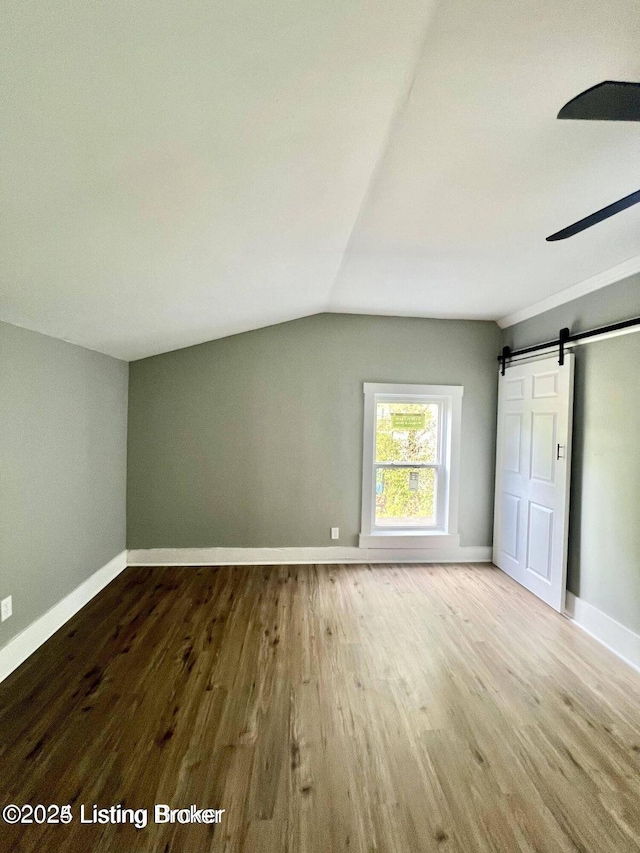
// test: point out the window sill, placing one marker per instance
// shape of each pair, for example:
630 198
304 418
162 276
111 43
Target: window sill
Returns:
409 539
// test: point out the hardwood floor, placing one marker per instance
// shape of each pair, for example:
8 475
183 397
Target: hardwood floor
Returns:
325 708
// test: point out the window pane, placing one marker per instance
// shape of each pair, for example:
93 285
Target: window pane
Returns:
406 497
407 432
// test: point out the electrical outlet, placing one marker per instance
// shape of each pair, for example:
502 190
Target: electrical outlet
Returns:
335 532
7 607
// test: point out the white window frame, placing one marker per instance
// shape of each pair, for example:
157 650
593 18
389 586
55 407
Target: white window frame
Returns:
449 399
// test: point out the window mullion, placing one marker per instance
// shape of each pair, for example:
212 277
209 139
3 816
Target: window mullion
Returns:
393 465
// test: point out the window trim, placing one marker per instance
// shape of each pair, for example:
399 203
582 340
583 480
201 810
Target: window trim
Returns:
450 398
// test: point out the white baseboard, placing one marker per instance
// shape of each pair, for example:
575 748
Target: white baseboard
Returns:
328 555
24 644
620 640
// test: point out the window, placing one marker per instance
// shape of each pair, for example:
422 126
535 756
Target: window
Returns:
410 467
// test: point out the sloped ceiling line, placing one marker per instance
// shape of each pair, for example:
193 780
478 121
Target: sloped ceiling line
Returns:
385 147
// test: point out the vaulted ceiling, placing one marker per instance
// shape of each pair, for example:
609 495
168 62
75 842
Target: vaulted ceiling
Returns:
173 172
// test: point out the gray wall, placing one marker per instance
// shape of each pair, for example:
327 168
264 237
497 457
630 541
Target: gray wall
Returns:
63 421
256 440
604 528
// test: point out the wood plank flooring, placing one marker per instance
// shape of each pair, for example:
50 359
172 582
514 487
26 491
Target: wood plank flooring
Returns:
325 708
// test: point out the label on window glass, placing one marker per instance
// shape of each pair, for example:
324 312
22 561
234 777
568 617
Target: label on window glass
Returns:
407 420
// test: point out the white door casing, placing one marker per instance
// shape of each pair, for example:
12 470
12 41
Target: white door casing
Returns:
533 467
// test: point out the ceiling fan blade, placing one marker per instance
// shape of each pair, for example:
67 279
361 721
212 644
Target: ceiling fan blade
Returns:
596 217
610 100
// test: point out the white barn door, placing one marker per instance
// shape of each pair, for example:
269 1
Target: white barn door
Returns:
533 466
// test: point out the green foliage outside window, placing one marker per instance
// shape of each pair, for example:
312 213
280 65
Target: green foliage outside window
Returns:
396 500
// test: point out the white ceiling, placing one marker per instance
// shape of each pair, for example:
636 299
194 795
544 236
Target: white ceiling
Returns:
173 172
